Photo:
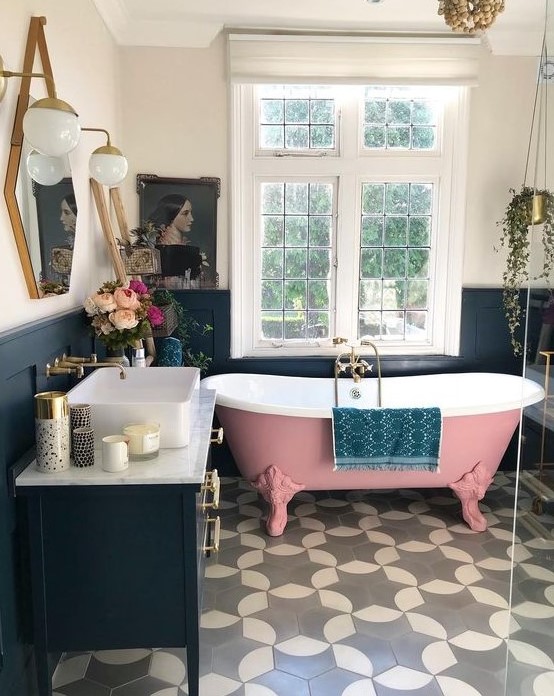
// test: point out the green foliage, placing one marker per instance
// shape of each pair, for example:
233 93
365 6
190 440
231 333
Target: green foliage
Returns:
187 326
515 237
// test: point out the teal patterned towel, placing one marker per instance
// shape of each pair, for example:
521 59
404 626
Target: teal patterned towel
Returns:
394 439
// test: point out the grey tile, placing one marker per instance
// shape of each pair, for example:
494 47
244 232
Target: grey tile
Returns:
409 648
333 682
431 689
145 686
488 682
283 620
227 658
377 650
116 675
283 684
306 667
84 687
313 620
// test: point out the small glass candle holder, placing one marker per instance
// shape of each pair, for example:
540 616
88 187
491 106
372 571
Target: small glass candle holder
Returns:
144 440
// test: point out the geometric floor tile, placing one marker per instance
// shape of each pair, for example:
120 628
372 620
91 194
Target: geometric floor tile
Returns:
367 593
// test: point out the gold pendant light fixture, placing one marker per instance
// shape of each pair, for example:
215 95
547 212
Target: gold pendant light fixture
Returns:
470 16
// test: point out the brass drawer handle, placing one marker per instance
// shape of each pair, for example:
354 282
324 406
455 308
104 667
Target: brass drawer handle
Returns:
212 484
217 532
218 439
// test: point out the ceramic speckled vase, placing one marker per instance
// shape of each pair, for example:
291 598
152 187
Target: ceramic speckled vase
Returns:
52 431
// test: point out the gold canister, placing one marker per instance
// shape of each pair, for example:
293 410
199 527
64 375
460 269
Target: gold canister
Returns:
538 209
52 431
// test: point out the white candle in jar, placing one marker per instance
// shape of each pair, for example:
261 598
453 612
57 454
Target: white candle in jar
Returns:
144 440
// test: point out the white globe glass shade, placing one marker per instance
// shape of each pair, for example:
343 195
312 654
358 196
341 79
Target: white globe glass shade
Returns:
51 131
46 170
108 169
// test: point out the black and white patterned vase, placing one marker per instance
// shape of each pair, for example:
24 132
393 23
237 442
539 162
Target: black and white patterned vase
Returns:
52 431
83 447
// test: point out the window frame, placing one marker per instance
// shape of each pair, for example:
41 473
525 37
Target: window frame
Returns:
249 166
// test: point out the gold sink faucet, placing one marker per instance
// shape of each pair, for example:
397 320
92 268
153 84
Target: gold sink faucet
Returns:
351 362
75 365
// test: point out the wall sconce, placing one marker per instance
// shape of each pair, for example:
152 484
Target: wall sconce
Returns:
50 125
107 164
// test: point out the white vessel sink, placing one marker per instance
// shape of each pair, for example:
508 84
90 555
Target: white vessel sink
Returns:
161 395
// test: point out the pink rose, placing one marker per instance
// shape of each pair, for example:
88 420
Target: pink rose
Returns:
124 319
138 286
104 301
126 298
155 315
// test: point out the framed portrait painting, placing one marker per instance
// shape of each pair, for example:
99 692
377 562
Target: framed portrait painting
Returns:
183 213
56 211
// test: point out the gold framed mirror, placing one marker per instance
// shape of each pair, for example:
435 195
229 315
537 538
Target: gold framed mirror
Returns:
43 218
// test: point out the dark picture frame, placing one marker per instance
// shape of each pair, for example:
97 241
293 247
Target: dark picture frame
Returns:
56 247
196 259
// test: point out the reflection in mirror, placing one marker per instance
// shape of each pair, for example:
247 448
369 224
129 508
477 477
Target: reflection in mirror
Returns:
43 237
48 215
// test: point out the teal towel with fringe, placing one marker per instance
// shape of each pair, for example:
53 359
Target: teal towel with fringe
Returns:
388 439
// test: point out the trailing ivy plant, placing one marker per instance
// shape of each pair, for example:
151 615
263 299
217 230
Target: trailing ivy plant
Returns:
186 327
515 237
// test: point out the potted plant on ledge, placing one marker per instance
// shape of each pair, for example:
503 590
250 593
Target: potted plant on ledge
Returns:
526 207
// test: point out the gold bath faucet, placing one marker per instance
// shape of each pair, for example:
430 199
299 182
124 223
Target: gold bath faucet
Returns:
351 362
75 365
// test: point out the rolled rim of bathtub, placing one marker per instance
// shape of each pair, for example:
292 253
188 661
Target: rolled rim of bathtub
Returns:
456 394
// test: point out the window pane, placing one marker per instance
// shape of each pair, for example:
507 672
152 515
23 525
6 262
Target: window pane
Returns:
416 326
272 263
318 294
322 137
393 325
372 231
296 230
319 263
272 136
318 325
322 111
272 325
418 263
373 197
371 262
394 263
273 230
295 294
417 294
376 111
295 263
423 138
321 199
424 112
271 110
295 325
296 199
397 197
272 294
370 294
375 136
297 111
273 199
398 136
396 231
320 231
369 324
394 294
419 231
297 137
398 111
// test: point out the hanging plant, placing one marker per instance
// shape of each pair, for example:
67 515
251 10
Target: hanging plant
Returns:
515 237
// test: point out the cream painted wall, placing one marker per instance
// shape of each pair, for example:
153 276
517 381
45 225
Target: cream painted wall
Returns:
85 64
181 94
175 120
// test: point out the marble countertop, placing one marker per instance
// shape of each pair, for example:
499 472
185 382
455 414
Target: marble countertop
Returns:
180 465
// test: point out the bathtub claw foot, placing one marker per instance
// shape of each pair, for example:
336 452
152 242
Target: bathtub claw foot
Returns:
277 489
470 489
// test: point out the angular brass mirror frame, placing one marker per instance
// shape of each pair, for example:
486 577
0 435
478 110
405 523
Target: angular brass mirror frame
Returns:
35 39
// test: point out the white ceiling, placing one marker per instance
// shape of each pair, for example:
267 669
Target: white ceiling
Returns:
195 23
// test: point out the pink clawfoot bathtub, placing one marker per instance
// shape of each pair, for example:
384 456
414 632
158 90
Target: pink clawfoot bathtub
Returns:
280 434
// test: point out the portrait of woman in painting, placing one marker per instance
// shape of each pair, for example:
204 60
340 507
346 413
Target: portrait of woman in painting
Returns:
57 222
183 213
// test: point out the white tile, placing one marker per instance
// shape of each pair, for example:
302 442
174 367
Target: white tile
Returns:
416 546
549 594
257 601
443 587
220 571
170 691
378 614
530 655
400 575
250 558
258 630
468 574
359 567
408 598
324 578
403 679
533 610
285 550
322 557
386 555
537 572
254 579
438 656
493 599
310 523
258 690
344 532
292 591
314 539
418 507
475 641
70 670
167 667
250 511
217 619
215 685
456 687
380 538
252 541
256 663
121 657
352 660
426 625
432 521
455 554
304 510
544 684
518 553
332 503
440 536
396 515
494 564
365 509
363 687
302 646
335 600
247 526
339 628
503 624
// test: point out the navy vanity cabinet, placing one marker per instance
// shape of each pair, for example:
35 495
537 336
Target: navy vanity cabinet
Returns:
120 566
